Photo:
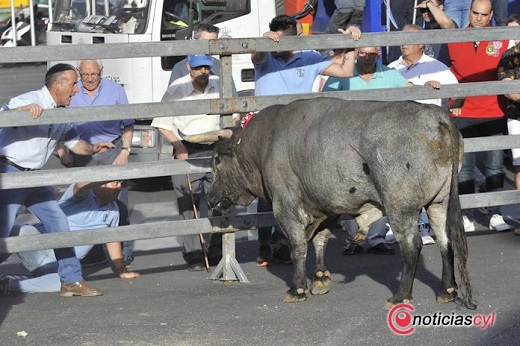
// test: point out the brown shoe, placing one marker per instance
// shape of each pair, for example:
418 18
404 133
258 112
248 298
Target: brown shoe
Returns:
517 231
79 289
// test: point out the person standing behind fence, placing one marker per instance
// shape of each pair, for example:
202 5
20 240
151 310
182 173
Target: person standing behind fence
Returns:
368 74
203 31
500 10
508 70
435 18
199 84
94 90
421 69
400 13
28 148
458 11
291 72
87 206
477 116
347 13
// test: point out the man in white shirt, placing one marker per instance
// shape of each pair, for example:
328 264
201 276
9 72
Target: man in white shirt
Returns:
421 69
27 148
198 84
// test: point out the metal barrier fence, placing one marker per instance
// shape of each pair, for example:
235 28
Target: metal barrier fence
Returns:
225 105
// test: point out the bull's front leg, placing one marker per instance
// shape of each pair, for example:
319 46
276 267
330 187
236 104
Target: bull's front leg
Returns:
322 281
294 232
298 291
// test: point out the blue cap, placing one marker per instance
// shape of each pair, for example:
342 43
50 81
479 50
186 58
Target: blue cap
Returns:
200 60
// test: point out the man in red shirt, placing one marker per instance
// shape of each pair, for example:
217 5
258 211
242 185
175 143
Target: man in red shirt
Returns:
478 116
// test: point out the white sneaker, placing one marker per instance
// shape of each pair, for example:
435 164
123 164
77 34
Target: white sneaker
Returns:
469 226
498 224
424 229
390 237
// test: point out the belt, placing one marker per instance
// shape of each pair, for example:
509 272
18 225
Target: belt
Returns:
197 146
11 163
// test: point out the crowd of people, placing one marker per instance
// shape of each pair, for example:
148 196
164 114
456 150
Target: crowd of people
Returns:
105 204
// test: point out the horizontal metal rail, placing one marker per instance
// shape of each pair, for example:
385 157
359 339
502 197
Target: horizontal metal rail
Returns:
62 176
247 104
248 45
134 232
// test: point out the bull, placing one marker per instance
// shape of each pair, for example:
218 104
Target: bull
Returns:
316 159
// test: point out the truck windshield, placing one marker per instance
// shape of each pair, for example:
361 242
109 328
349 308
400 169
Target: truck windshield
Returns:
178 14
131 16
107 16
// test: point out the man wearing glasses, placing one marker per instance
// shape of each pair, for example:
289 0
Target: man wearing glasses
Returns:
97 91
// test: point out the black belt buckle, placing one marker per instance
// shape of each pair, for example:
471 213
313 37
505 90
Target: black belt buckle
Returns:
11 163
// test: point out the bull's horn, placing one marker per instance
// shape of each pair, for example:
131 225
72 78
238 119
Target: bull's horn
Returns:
211 136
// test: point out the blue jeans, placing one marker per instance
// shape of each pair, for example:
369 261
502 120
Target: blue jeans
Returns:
376 232
41 263
458 11
500 12
41 202
492 165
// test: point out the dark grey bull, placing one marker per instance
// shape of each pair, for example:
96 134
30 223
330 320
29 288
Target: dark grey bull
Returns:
315 159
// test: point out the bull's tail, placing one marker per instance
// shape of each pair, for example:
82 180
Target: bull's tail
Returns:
455 226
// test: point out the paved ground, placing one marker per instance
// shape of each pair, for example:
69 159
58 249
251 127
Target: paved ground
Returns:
171 306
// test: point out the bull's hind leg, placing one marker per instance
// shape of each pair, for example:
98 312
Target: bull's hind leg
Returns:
437 214
322 281
405 229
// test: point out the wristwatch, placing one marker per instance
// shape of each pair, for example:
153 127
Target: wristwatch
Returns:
127 149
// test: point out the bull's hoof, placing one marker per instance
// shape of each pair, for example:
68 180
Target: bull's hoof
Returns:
390 303
295 296
446 297
321 283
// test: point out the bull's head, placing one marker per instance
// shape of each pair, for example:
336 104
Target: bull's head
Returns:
229 183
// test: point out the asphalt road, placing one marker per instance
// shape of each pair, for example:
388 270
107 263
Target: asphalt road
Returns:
172 306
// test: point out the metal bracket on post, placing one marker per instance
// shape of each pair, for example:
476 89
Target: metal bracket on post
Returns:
228 268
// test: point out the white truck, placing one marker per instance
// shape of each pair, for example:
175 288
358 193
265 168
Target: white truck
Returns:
146 79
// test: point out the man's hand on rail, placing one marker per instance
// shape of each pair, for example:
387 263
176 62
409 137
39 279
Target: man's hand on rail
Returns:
352 30
34 109
456 111
433 83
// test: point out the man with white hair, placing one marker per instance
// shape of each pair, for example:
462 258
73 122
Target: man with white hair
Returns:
421 69
94 90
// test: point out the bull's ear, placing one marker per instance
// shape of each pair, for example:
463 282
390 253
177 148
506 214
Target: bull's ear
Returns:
226 146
